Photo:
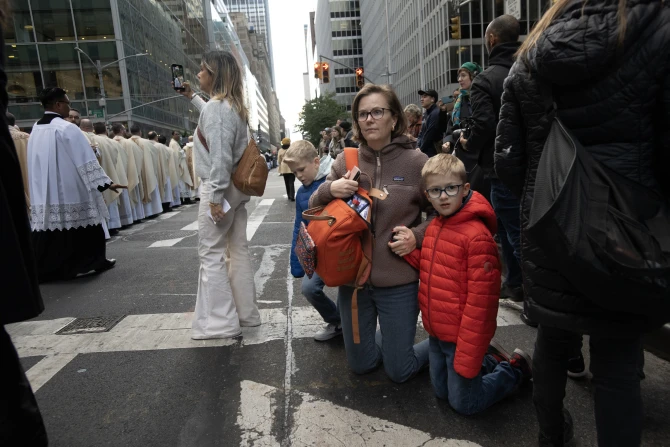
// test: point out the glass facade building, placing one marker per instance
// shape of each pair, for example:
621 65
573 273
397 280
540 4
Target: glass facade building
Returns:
338 37
425 50
40 46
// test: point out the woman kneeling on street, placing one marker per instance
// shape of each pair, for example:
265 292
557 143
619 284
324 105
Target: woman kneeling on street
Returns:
388 157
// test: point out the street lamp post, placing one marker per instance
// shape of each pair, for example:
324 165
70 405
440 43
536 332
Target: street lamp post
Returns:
99 67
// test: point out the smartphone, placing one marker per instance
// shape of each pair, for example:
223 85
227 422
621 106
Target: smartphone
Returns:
355 173
178 77
447 99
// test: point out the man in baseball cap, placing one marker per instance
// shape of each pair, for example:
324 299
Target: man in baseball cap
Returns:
430 136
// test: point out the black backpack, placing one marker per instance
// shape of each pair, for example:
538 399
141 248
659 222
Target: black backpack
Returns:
609 235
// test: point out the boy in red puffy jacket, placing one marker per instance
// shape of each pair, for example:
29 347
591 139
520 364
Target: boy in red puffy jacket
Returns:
459 291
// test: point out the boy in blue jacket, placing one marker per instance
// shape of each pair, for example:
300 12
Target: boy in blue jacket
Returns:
303 159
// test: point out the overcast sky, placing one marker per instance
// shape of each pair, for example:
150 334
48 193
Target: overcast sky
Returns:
287 21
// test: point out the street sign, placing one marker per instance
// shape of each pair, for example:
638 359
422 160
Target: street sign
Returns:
513 8
95 112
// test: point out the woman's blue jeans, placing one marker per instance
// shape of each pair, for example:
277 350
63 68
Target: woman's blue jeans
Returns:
397 309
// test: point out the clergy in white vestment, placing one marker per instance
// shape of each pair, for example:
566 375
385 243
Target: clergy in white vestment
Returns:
107 160
167 168
136 172
122 168
67 207
190 161
21 144
174 149
155 177
185 181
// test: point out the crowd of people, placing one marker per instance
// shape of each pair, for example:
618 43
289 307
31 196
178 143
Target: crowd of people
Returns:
454 178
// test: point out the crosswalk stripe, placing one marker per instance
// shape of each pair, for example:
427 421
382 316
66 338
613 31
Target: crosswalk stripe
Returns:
165 216
191 227
166 242
256 218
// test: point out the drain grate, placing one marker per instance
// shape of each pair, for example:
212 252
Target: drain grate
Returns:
91 325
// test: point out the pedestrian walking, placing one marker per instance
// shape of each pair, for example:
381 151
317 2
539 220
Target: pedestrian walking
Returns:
387 157
285 170
226 299
611 91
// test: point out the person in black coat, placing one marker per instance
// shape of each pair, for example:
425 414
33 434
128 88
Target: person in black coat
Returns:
20 419
605 64
502 37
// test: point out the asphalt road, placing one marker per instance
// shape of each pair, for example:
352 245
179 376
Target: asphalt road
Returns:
146 383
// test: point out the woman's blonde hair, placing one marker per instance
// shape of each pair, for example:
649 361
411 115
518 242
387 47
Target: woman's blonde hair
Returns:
555 11
301 151
394 106
227 81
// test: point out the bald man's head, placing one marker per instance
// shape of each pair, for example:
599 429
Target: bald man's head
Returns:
502 29
86 125
152 135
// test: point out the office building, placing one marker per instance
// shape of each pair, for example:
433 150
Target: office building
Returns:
427 45
40 45
338 38
257 13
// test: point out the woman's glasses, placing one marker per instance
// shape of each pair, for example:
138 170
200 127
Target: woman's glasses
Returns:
449 190
377 113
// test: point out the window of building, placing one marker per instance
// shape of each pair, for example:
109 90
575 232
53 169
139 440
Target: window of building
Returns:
60 65
19 27
93 20
24 81
53 20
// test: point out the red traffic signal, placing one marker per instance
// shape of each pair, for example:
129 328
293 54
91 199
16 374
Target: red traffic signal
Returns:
317 70
325 73
360 79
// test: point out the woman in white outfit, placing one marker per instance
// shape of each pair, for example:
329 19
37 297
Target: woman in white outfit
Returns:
226 298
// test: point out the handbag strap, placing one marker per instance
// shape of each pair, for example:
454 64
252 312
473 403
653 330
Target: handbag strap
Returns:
202 139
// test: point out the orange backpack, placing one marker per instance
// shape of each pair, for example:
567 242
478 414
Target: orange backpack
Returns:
343 240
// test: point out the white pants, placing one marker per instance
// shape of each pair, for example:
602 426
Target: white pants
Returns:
226 291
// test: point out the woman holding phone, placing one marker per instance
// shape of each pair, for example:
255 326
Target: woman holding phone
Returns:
387 159
226 299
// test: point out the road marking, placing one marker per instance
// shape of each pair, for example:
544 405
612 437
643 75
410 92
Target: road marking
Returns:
268 302
290 358
270 255
256 218
168 215
46 368
166 242
322 423
191 227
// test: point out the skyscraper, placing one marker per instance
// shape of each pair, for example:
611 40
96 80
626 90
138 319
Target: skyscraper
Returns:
338 37
258 16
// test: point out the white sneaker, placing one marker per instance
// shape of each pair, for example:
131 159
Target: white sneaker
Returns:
331 330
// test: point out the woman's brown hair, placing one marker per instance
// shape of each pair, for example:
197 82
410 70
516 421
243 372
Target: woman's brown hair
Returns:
339 130
227 80
555 11
393 104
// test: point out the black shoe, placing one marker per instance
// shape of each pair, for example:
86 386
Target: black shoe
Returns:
513 293
576 367
496 351
527 320
108 264
523 362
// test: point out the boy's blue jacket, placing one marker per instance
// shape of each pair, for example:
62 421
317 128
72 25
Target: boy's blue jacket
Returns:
301 204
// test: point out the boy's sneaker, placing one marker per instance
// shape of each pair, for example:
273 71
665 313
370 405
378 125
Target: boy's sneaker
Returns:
331 330
496 351
576 367
522 361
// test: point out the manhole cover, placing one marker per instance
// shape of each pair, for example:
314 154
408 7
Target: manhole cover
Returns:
153 236
90 325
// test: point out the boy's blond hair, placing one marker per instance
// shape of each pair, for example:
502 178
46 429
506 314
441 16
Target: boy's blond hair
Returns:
444 164
301 151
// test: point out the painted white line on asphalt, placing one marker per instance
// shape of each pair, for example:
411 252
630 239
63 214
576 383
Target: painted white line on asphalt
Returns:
319 422
166 242
191 227
268 302
256 218
270 255
165 216
46 368
290 358
172 294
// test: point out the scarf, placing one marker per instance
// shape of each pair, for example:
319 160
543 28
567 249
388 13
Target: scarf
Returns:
456 114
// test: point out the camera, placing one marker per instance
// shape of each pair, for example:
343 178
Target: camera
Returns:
465 130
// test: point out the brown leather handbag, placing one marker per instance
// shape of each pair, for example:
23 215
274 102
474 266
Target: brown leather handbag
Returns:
251 174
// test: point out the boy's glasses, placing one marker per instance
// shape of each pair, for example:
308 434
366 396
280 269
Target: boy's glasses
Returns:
449 190
377 113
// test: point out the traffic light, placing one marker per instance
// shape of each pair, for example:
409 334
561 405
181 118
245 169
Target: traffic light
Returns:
325 73
455 28
360 79
317 70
